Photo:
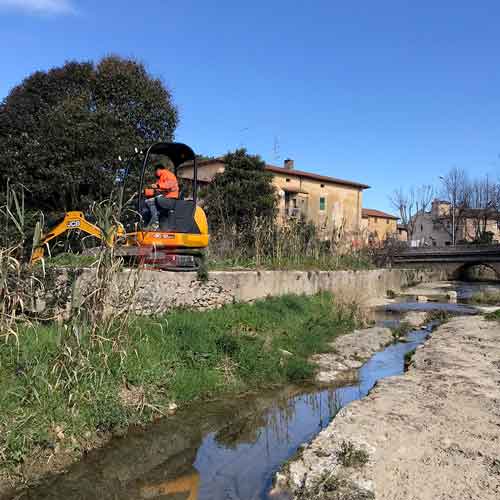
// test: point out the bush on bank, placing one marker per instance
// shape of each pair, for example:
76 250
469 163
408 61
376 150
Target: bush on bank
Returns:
58 384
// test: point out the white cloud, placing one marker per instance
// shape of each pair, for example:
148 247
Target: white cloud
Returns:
40 6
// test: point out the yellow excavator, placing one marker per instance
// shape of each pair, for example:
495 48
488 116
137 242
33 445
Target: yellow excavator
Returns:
181 237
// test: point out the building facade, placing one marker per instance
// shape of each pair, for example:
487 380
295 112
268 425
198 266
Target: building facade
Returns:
328 202
435 228
379 226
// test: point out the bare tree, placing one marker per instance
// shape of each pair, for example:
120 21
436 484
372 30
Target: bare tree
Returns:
456 190
483 213
410 203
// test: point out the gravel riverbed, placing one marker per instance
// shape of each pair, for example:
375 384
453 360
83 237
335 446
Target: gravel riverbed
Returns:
432 433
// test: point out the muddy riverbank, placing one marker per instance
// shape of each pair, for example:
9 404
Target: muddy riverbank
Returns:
432 433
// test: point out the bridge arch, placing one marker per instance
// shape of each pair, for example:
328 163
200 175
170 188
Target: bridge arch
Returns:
451 262
463 270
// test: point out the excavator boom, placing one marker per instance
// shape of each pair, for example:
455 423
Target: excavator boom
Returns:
71 221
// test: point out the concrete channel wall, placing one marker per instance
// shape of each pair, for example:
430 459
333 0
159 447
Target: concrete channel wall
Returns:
158 291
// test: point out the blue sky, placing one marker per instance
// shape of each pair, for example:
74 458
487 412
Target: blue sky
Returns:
388 93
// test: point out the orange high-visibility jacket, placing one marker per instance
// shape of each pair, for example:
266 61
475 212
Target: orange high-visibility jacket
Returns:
167 183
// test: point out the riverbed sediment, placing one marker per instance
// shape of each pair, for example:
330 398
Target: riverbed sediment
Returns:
349 352
432 433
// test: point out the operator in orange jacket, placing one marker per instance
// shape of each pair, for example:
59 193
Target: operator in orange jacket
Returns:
166 187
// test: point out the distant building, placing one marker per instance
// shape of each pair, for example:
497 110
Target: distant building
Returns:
435 228
378 225
326 201
402 232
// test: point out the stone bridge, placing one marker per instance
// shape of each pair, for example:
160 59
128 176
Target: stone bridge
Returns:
455 261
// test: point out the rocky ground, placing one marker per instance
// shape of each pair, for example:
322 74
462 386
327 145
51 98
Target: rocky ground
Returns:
350 351
439 289
430 434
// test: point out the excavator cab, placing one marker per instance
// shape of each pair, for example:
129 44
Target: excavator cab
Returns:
183 228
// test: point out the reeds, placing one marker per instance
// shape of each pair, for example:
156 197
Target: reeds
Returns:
296 244
19 286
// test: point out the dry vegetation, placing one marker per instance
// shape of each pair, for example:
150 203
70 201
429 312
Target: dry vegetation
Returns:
295 245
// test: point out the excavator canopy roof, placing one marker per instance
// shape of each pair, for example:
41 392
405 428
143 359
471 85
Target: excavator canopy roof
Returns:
177 152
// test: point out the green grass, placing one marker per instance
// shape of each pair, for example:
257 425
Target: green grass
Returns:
489 298
493 316
408 359
70 260
51 378
437 315
296 263
350 456
400 331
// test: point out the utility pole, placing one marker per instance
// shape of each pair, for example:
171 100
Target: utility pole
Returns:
452 213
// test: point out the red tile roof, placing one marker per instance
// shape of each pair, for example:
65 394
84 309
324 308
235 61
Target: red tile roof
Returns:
308 175
292 172
370 212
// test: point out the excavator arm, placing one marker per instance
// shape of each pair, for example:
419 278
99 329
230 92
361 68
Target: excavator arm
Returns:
71 221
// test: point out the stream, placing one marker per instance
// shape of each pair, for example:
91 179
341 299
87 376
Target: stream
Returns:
230 449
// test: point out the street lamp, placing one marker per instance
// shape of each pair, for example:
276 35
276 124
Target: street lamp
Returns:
452 215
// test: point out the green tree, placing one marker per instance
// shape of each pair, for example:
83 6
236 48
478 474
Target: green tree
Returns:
61 131
242 192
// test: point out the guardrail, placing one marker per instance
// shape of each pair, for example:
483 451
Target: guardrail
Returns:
451 250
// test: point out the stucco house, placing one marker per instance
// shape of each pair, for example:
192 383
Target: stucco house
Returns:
402 232
379 226
326 201
434 228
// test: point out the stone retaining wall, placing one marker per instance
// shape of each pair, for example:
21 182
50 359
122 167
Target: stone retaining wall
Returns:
159 291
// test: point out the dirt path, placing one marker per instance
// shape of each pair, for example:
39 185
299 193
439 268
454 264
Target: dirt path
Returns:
431 434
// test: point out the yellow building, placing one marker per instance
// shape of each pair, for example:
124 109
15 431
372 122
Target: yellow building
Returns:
326 201
379 226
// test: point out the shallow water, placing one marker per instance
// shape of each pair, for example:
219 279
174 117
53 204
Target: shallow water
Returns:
460 309
223 450
389 315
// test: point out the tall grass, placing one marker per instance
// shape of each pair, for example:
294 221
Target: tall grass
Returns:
49 370
19 286
295 244
107 299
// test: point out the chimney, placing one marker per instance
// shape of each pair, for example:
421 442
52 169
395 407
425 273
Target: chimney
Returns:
288 164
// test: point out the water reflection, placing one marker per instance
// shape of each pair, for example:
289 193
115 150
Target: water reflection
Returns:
184 486
224 450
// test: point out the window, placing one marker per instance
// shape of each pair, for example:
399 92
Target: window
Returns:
421 228
322 185
287 180
322 204
387 221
